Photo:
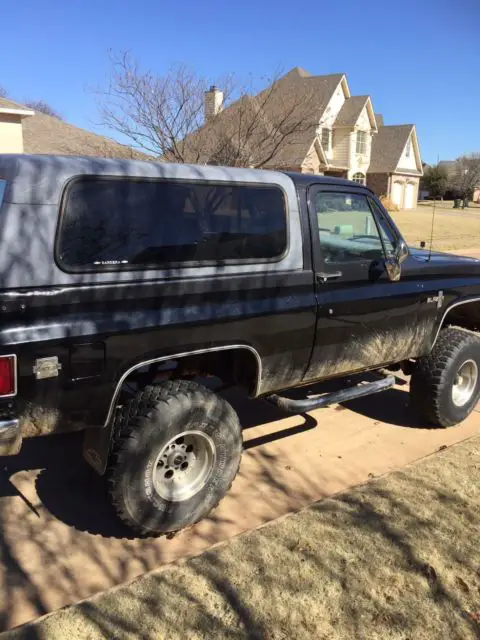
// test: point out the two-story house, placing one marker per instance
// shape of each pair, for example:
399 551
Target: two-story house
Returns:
341 135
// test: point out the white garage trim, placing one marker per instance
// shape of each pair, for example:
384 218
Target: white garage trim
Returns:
398 193
409 196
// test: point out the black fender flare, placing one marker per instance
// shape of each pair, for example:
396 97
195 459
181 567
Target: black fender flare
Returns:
453 305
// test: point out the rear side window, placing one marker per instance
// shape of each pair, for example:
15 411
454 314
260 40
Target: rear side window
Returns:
127 224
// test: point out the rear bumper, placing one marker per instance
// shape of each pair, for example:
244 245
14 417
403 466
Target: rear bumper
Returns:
10 437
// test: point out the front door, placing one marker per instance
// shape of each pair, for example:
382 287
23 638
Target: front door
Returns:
363 319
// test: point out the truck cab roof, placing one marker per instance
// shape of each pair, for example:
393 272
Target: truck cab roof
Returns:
308 179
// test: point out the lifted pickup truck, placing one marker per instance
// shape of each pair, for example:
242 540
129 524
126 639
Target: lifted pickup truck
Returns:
123 283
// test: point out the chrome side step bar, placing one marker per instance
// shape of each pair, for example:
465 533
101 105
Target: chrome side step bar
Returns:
317 402
10 437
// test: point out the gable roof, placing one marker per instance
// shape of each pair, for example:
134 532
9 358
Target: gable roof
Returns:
48 135
387 148
303 73
268 108
350 111
13 108
317 92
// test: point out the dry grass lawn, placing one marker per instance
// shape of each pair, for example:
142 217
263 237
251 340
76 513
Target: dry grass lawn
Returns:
452 230
398 558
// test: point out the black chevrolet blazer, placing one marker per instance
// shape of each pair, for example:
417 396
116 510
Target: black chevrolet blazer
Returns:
124 283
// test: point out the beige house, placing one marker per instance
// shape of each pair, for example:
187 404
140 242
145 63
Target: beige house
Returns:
395 165
343 137
25 131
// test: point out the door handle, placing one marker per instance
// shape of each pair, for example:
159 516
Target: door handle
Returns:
323 277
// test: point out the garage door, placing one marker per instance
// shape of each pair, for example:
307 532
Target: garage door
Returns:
408 203
397 194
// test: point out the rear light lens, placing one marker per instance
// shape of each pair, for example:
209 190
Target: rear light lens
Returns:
8 376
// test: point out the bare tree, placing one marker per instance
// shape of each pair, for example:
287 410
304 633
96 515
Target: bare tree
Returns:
163 115
43 107
3 92
466 176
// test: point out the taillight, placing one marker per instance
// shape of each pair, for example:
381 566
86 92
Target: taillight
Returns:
8 375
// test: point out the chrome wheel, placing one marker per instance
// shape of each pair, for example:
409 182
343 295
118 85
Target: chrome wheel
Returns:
183 466
465 383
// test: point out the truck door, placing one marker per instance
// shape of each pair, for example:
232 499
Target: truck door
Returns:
363 319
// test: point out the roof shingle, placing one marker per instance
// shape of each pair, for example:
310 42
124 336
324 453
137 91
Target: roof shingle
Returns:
351 110
296 97
48 135
387 147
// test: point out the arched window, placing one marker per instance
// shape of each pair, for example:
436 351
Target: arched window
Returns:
359 177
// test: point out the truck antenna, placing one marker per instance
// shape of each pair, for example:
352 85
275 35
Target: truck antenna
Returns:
431 232
433 220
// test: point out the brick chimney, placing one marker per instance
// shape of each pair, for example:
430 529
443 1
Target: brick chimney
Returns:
213 103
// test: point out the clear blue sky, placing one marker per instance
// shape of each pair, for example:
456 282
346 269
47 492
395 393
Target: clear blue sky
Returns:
418 59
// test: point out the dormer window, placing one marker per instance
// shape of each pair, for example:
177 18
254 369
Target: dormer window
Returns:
408 148
326 139
362 142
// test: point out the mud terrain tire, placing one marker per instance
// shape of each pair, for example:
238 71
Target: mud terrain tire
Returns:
438 379
151 424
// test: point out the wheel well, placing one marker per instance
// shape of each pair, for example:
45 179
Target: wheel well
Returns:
465 315
238 366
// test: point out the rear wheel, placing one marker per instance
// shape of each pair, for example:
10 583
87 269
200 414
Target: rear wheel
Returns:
445 385
176 453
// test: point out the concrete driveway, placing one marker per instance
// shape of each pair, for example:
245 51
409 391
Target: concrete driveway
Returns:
60 542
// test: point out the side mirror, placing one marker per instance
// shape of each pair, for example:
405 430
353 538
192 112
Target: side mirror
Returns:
401 252
393 265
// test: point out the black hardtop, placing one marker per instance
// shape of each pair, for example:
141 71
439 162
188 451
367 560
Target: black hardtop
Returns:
309 179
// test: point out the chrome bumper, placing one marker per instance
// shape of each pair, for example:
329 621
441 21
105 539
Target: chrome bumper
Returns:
10 437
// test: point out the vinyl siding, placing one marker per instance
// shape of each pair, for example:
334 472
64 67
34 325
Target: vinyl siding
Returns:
359 161
328 118
363 121
11 135
311 163
330 114
410 162
341 147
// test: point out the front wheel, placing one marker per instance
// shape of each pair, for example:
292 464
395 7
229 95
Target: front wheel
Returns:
176 452
445 385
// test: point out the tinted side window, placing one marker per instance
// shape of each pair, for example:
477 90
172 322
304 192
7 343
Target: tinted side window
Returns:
347 228
123 223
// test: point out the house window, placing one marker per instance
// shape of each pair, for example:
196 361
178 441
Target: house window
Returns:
359 177
326 139
408 148
361 142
